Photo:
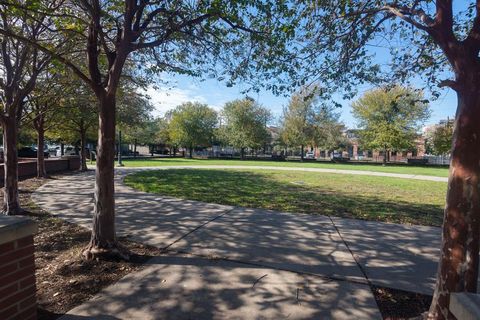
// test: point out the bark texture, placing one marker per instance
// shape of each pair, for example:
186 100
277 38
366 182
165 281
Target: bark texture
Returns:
11 205
458 267
103 240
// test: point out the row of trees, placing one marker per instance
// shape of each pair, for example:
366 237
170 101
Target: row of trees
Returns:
241 124
282 42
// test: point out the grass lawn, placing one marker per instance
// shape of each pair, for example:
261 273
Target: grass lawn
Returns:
362 197
428 171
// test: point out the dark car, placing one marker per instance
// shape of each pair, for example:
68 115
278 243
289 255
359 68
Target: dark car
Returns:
29 152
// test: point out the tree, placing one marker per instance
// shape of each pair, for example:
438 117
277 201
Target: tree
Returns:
441 138
245 124
299 120
43 106
329 131
192 125
134 115
390 118
427 40
241 37
20 66
307 120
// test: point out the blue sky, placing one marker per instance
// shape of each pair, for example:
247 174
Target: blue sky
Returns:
215 94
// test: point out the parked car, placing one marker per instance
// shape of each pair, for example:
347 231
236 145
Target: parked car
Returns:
29 152
67 151
310 155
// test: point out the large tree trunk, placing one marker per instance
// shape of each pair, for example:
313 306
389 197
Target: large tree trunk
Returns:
103 240
40 126
190 152
83 150
458 266
301 151
11 206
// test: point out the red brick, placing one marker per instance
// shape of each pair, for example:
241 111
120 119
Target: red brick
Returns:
30 301
26 314
6 247
6 313
9 290
19 296
8 268
16 276
28 261
26 241
27 282
16 254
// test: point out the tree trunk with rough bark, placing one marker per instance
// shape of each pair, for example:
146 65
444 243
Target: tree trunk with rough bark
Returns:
40 127
103 240
11 205
458 266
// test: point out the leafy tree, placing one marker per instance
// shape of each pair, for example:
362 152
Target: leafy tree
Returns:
329 131
390 118
192 125
240 37
20 66
43 107
307 120
134 116
430 40
441 138
299 120
245 124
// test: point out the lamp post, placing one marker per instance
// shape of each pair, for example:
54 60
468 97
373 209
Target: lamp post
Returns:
120 164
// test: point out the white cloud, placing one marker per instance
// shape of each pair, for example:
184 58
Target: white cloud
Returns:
165 99
169 98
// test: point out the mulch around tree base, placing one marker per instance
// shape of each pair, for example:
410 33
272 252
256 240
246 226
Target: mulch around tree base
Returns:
64 280
398 304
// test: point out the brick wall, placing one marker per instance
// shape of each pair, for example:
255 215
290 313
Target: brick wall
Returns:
28 167
17 280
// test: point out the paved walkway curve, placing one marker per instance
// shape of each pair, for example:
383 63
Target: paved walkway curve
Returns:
324 170
265 264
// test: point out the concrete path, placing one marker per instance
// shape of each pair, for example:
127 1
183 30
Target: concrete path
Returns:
239 263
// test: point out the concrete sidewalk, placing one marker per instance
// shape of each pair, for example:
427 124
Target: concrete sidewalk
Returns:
240 263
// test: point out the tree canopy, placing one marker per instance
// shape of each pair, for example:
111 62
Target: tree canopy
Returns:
244 124
390 118
192 125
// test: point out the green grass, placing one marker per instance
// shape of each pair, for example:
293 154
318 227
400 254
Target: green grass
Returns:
428 171
362 197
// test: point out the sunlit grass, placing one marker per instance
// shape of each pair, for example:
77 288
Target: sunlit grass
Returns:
363 197
405 169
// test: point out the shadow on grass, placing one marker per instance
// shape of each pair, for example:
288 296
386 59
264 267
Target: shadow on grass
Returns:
257 190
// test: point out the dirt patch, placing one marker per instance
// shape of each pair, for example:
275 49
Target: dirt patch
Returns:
398 304
64 280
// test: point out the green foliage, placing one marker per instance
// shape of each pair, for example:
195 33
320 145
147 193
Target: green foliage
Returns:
192 125
307 121
440 139
390 118
245 124
409 40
